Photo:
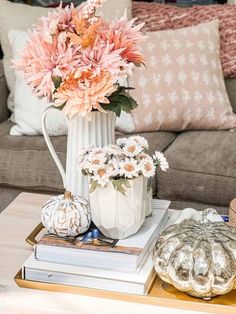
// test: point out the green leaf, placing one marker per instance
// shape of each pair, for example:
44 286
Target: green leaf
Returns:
113 106
127 184
93 186
124 88
120 100
57 81
84 172
118 187
60 107
121 185
121 189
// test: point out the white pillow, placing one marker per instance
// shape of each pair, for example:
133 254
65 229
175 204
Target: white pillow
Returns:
125 123
28 109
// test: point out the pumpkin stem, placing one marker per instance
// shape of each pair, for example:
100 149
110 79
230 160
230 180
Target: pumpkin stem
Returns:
67 195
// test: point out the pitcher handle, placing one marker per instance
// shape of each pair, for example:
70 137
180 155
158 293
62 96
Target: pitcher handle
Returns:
50 146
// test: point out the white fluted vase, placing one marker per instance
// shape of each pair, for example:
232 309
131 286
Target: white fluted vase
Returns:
98 130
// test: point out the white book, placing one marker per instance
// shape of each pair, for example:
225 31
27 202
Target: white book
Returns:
127 255
135 283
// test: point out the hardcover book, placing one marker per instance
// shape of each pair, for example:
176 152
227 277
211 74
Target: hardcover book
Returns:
135 283
101 252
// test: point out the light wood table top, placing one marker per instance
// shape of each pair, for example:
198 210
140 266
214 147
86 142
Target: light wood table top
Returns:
16 223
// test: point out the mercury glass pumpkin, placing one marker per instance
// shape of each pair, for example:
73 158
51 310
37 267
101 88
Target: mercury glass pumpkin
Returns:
66 215
198 258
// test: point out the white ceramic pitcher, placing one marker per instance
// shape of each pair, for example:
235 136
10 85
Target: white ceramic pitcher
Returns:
99 131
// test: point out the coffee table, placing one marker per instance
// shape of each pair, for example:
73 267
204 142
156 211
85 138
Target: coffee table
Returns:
16 222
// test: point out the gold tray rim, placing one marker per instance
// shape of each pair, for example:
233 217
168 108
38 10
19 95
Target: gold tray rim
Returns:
188 304
185 303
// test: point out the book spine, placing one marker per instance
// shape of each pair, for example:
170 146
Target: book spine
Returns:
85 281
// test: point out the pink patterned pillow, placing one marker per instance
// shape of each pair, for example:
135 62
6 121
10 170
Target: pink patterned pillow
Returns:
182 86
162 17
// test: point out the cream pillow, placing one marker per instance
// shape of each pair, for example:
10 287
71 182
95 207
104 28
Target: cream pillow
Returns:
115 9
15 16
18 16
182 86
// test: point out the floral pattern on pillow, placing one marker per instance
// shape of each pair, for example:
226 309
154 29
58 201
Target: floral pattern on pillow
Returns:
182 86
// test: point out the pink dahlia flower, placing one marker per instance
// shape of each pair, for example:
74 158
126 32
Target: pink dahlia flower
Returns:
102 57
126 36
85 93
75 58
59 20
41 62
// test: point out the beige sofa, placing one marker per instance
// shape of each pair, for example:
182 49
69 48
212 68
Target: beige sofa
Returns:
202 163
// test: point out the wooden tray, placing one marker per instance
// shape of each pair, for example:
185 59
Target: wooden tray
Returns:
160 294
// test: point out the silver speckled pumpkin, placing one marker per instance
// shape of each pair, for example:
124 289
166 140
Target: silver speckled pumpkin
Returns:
66 215
198 258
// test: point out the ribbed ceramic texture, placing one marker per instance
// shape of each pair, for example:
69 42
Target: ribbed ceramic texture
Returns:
99 130
116 215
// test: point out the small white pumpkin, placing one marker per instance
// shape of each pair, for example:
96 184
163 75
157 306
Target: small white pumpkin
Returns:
66 215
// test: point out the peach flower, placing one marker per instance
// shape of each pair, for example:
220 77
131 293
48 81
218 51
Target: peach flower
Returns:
123 34
42 61
101 56
75 58
83 94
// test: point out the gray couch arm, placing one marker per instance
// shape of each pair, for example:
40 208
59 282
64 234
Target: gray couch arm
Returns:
230 84
4 113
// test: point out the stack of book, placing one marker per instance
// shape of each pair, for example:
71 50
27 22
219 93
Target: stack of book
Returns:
116 265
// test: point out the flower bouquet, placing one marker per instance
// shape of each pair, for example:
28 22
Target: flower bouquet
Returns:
76 59
118 184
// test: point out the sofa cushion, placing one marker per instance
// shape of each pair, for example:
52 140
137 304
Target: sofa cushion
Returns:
25 161
202 168
4 113
231 90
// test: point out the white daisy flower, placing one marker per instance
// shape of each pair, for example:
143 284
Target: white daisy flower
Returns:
114 166
81 162
83 165
127 160
148 169
129 168
113 150
161 161
97 159
102 175
82 156
121 141
140 140
97 150
132 149
143 156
